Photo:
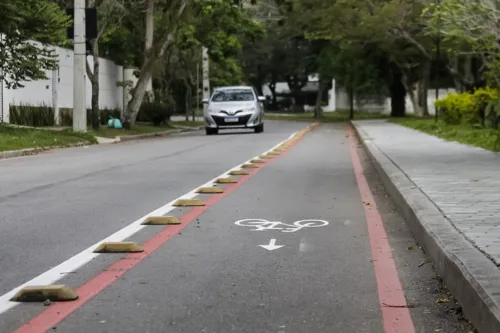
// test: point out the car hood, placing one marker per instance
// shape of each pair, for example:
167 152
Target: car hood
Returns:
231 107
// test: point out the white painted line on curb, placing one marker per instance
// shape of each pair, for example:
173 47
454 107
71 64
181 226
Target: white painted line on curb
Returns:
72 264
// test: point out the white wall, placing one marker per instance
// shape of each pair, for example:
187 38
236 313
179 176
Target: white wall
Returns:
41 91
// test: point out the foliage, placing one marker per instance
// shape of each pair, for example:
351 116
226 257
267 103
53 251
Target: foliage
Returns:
470 109
453 107
28 115
27 28
43 115
156 112
66 116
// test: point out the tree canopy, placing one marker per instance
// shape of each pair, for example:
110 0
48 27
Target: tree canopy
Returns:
22 23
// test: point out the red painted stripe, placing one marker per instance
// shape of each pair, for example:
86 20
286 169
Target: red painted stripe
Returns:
57 312
396 319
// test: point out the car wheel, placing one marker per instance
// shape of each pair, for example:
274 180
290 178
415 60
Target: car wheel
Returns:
259 128
211 131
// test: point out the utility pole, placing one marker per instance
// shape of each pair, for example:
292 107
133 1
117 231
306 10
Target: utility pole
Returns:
79 74
206 80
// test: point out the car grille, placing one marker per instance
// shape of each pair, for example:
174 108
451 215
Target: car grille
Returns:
242 120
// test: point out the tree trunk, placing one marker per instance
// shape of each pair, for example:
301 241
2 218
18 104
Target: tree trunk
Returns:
298 102
193 112
423 91
93 75
186 103
351 102
318 111
138 93
96 121
272 87
187 96
398 94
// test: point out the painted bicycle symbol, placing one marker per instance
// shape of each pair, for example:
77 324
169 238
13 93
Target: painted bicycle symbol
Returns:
262 225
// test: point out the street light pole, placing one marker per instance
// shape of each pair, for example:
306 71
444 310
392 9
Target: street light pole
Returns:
79 74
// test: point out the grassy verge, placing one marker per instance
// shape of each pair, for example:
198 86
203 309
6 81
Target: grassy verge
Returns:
480 137
328 117
107 132
184 123
15 138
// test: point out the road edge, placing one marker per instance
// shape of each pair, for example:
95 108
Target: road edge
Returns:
471 277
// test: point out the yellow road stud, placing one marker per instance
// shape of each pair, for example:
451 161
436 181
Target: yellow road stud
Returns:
258 161
210 190
238 173
188 203
226 180
161 220
118 247
54 293
249 166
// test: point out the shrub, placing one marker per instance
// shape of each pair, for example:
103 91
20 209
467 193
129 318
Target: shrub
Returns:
66 116
479 108
484 99
30 115
451 108
155 112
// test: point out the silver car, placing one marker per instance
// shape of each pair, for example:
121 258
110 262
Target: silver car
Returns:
234 107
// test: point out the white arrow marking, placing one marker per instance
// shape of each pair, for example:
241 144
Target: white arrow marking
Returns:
272 245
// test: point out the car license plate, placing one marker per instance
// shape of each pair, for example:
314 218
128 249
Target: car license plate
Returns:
231 119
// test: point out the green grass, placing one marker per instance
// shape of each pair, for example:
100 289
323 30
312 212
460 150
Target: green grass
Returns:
138 128
15 138
474 136
184 123
328 117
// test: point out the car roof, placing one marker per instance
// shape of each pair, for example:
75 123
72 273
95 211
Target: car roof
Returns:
234 87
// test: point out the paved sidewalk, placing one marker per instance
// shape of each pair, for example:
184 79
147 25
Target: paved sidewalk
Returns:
462 236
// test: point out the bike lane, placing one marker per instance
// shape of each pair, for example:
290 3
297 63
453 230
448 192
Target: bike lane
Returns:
292 275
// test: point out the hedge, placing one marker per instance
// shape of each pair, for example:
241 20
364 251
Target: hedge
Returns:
43 115
479 108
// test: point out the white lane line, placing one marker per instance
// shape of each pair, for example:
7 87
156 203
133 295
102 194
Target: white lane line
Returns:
72 264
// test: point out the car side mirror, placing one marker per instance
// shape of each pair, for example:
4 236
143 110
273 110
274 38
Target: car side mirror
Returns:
262 99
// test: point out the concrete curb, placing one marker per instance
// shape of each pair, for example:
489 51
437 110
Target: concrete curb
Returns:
155 134
471 277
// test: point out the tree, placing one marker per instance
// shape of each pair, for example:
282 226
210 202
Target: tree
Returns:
367 26
174 39
162 20
27 29
470 30
110 16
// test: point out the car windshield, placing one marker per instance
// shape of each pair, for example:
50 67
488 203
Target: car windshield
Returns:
233 95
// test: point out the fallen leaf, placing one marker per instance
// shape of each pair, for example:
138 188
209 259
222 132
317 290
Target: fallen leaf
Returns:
442 300
411 248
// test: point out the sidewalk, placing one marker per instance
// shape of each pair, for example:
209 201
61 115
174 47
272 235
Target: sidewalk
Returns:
449 195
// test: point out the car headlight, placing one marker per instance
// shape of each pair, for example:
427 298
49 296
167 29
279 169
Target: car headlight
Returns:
210 110
252 109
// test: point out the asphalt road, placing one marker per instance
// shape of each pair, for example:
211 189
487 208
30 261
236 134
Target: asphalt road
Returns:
210 274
